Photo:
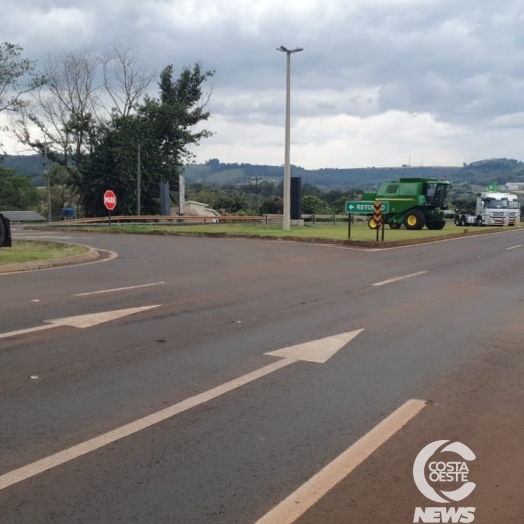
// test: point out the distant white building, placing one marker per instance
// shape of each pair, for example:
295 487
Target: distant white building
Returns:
515 186
199 209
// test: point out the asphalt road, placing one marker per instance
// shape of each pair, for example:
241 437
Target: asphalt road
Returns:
202 435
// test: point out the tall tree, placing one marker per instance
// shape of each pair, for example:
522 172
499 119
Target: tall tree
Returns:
72 112
17 77
65 109
126 79
174 116
155 139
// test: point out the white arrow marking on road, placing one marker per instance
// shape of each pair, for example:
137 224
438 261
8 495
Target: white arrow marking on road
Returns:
318 351
80 321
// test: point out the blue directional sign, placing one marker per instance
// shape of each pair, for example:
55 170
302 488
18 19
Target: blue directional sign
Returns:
364 207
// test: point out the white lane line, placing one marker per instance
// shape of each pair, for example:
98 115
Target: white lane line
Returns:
16 234
25 331
513 247
116 289
296 504
396 279
26 472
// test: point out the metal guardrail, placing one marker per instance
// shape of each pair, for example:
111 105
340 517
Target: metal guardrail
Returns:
335 218
180 220
170 219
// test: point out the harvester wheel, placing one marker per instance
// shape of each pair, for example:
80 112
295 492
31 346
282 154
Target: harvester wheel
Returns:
372 224
414 219
436 224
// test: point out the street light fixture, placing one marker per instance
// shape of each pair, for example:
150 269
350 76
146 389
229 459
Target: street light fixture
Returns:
287 162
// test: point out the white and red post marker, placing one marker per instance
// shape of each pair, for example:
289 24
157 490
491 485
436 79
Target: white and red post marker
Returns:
109 202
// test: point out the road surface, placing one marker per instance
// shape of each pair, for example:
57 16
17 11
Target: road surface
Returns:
165 386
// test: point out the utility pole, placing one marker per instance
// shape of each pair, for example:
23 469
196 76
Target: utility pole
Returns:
49 214
138 193
256 179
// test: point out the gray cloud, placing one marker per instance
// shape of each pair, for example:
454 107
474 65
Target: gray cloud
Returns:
460 62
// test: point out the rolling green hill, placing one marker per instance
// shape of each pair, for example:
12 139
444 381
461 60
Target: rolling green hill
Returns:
215 173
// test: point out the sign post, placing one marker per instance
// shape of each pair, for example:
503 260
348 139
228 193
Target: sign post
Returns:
109 202
368 207
377 216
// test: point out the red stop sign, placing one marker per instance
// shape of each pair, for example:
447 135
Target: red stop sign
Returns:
109 200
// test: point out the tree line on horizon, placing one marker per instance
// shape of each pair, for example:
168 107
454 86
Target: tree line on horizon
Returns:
255 197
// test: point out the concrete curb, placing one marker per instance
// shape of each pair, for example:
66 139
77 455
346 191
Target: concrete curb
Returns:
91 255
369 244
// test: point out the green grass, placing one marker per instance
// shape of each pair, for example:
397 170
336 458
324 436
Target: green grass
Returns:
31 251
330 232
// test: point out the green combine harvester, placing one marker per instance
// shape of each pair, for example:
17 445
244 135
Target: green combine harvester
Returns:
413 202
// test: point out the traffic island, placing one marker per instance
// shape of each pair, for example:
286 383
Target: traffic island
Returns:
30 255
361 236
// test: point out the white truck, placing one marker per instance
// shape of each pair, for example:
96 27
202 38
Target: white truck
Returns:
492 209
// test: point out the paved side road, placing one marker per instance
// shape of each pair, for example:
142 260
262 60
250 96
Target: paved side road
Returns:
480 403
438 323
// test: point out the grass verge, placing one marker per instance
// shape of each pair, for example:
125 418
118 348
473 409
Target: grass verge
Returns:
361 235
33 250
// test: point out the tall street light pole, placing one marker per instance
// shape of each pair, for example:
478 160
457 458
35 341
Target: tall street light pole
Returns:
49 213
287 161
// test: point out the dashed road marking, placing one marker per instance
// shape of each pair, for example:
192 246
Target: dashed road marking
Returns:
117 289
307 495
396 279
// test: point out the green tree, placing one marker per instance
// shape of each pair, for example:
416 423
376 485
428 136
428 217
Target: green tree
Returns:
230 203
273 205
338 206
310 189
312 205
16 191
17 77
156 139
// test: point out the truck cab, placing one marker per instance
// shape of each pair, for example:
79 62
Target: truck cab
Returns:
513 210
497 209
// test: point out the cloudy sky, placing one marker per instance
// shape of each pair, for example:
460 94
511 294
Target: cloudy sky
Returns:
379 83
